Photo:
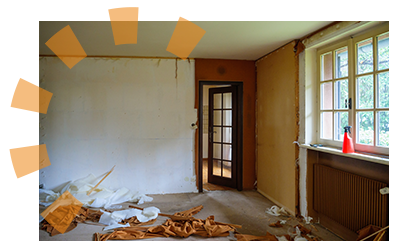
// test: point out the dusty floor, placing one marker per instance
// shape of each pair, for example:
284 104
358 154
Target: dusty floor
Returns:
246 208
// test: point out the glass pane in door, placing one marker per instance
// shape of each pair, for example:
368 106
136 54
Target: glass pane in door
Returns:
217 101
217 134
217 167
227 169
217 117
227 100
217 151
227 134
227 152
227 118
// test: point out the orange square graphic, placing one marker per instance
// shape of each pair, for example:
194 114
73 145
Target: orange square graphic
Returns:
44 160
62 211
30 97
185 38
27 160
67 47
124 24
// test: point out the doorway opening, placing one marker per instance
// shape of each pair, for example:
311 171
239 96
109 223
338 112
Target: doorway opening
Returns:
220 135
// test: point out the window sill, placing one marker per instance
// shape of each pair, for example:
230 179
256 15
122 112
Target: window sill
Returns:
361 156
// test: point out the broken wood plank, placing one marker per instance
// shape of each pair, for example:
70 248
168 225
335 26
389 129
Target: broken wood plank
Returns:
101 181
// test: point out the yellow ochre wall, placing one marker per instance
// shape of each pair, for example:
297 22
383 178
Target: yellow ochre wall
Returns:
276 126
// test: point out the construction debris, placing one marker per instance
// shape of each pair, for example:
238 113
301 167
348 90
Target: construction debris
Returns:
183 225
278 223
100 198
367 232
130 224
112 220
276 211
308 219
85 214
301 234
247 237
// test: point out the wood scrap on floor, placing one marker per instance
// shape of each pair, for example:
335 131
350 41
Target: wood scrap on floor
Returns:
302 233
276 224
367 232
180 224
84 214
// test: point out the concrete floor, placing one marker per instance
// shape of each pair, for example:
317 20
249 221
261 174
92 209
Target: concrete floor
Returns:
246 208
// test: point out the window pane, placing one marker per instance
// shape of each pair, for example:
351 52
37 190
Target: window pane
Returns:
326 66
217 151
217 134
365 92
227 100
227 169
217 101
217 168
326 95
383 51
341 63
227 117
227 135
383 90
341 94
365 127
227 153
365 57
326 125
341 121
383 128
217 117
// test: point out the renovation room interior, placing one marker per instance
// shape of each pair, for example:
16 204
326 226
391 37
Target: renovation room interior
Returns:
253 118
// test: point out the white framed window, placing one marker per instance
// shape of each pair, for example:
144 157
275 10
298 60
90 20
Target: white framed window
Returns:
353 89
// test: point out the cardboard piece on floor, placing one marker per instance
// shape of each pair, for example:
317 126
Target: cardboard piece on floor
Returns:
173 228
62 212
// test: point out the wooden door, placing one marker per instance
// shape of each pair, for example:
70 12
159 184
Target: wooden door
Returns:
222 136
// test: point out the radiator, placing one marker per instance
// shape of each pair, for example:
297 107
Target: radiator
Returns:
351 200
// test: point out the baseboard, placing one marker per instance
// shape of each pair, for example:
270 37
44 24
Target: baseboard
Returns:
276 202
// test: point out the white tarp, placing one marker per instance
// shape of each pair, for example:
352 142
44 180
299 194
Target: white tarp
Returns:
100 197
112 219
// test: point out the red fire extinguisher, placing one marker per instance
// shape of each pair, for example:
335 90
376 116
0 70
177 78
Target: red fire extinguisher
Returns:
347 141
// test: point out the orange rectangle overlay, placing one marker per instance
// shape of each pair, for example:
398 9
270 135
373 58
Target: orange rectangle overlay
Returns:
44 160
62 211
30 97
27 160
124 14
185 38
67 47
124 24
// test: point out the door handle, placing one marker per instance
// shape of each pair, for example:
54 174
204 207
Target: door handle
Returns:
210 134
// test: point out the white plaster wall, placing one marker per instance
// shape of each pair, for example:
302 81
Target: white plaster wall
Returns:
132 113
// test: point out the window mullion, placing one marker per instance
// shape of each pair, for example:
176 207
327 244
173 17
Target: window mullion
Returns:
352 88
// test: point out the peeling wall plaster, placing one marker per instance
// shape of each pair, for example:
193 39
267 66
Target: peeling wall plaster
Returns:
133 113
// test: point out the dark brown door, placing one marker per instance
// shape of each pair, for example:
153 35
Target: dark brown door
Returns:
222 139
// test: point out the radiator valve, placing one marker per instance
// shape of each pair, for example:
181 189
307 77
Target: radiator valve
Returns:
384 190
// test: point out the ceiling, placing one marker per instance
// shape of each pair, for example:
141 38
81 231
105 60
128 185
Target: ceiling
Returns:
243 40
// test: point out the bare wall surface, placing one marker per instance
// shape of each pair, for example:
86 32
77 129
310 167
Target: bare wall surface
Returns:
276 126
133 113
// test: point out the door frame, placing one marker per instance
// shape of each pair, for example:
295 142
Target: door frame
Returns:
239 159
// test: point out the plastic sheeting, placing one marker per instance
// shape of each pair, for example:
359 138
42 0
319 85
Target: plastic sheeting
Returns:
100 197
276 211
113 219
